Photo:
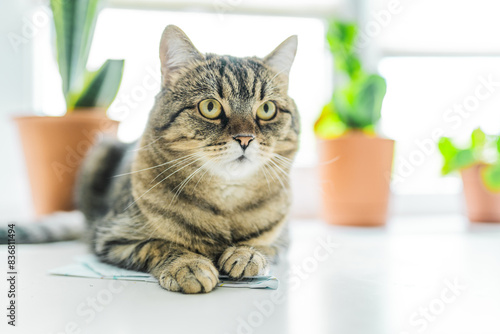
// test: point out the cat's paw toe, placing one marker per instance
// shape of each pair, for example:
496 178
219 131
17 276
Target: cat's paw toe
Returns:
190 276
242 261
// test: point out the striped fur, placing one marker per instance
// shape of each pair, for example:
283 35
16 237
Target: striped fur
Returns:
59 226
190 203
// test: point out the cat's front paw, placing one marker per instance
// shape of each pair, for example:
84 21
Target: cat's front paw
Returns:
242 261
189 275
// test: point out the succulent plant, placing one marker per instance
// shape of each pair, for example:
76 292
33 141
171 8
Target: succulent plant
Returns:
75 22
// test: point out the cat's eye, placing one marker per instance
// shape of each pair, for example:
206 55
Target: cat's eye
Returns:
266 111
210 108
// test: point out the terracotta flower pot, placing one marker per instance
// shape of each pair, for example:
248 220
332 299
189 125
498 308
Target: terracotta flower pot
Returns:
355 176
54 148
482 204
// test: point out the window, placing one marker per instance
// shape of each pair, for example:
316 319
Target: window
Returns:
435 55
436 96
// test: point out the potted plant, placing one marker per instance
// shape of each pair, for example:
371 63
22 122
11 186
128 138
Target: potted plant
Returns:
55 146
355 162
479 166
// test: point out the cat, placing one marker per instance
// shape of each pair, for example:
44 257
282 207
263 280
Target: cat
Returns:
206 191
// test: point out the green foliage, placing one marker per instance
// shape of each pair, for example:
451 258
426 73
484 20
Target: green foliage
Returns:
459 158
357 103
341 38
101 86
74 22
491 177
328 124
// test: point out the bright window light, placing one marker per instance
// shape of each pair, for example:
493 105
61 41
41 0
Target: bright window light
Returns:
434 26
428 96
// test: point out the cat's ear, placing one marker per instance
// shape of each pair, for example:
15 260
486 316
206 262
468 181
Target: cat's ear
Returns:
281 59
176 52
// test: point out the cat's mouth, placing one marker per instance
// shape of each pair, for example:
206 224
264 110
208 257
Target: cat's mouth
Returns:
242 158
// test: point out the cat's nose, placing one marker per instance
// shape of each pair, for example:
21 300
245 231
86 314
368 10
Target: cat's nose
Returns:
244 140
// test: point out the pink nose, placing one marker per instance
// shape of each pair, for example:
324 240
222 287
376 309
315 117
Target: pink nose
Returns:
244 140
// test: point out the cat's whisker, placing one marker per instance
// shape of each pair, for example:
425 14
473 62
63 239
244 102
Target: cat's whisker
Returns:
192 162
148 145
198 154
285 174
279 156
283 163
203 175
279 86
216 160
189 177
265 175
283 157
278 178
272 79
271 173
213 162
185 182
282 169
149 168
265 167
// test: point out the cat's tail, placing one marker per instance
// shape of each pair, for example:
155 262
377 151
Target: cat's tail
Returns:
59 226
91 197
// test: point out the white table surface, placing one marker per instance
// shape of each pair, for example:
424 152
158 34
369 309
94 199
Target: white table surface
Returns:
376 280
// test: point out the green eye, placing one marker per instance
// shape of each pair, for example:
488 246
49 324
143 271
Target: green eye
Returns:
210 108
266 111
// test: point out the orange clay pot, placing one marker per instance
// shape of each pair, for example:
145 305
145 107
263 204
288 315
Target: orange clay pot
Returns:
355 172
54 148
482 204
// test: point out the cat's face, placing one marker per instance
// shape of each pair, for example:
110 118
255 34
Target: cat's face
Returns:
230 116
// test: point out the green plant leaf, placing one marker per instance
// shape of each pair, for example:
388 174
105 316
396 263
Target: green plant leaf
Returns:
463 159
476 153
102 85
491 177
446 147
357 103
341 103
478 139
349 64
368 102
448 151
341 37
328 124
74 22
454 158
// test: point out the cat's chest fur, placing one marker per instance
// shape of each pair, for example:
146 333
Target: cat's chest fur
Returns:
232 192
234 197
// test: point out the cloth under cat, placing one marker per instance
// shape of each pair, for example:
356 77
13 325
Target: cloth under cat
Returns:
89 266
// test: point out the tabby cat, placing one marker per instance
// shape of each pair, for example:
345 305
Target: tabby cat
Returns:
206 192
